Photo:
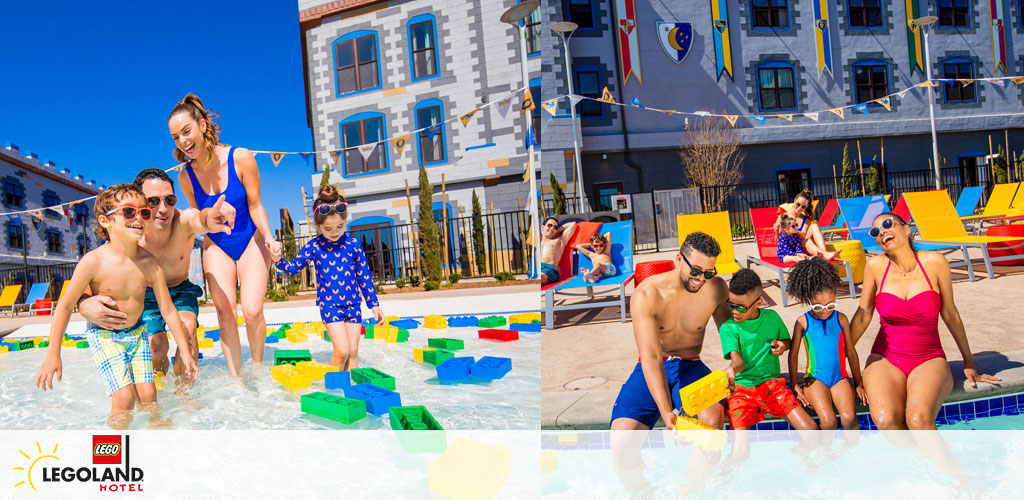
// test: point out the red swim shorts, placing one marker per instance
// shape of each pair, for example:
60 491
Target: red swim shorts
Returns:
748 405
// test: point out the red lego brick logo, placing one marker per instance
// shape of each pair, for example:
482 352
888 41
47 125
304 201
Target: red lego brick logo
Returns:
106 449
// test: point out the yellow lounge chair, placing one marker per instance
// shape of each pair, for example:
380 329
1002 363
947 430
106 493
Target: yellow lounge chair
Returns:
938 222
9 297
63 288
717 226
999 202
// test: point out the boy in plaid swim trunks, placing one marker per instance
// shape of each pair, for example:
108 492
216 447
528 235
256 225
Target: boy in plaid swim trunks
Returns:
121 270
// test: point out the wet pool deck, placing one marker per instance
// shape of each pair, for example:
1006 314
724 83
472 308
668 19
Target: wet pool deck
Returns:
587 359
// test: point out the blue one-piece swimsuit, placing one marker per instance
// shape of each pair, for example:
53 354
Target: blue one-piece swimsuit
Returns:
341 273
233 244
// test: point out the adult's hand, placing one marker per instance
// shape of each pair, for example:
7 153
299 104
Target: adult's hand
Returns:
221 217
102 310
973 377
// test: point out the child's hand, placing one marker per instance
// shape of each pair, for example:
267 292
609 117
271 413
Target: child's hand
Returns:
191 369
276 251
778 347
862 395
378 315
731 373
799 390
51 365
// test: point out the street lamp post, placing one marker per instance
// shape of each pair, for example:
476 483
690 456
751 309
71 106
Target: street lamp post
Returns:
513 16
922 23
565 30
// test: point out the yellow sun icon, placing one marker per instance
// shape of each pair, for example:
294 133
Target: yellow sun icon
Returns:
28 473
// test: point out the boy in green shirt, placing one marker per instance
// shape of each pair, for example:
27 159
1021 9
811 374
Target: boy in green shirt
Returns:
753 339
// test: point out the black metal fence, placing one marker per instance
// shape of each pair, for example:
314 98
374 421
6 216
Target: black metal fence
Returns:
55 274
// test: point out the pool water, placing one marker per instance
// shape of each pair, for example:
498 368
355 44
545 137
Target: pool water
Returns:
255 401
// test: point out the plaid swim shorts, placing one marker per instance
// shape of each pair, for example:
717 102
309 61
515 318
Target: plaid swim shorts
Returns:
122 356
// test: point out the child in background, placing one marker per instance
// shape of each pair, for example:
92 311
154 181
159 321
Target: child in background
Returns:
823 331
598 252
790 245
121 270
753 339
341 274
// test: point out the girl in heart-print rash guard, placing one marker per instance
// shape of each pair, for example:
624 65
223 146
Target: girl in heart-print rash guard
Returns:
342 275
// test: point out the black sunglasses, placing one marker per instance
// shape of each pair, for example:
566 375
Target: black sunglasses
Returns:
887 223
697 272
326 208
154 201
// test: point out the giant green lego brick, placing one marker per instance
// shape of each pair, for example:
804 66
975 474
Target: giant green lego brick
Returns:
82 344
373 376
437 357
417 430
281 332
492 322
284 356
19 345
334 407
446 344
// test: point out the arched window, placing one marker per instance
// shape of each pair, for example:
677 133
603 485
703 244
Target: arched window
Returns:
431 142
872 79
423 58
356 57
359 130
959 68
776 87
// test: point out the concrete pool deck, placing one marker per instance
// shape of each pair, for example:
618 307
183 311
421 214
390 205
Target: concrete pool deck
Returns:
590 353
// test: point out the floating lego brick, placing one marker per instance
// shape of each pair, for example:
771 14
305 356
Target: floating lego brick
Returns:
437 356
295 338
24 344
529 317
492 322
470 469
525 327
298 325
369 322
337 380
44 344
282 356
282 332
461 321
705 392
205 343
389 319
271 339
368 331
408 324
4 348
316 369
435 322
38 340
417 353
373 376
82 344
455 369
344 410
548 461
378 399
496 334
291 377
447 344
704 436
412 418
213 335
327 336
66 343
491 367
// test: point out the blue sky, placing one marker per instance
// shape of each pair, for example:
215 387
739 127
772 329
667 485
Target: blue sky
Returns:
89 85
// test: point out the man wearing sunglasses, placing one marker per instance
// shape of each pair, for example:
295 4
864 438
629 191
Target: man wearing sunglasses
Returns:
169 236
553 243
670 312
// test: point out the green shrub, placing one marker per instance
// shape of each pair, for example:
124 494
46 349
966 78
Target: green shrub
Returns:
741 230
379 286
431 285
504 276
291 290
276 296
414 281
400 283
454 278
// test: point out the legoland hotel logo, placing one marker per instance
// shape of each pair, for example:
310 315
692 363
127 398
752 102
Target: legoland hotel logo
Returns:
118 475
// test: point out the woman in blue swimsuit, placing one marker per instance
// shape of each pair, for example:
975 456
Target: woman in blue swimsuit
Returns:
213 170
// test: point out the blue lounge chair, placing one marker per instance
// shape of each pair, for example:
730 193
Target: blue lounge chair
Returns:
968 200
622 256
36 292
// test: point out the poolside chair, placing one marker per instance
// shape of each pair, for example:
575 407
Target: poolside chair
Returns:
717 226
622 256
63 288
937 222
767 248
831 223
582 234
35 292
1004 197
968 200
9 296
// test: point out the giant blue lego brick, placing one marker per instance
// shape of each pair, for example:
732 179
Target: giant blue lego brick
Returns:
525 327
378 399
408 324
459 321
455 369
213 335
271 339
337 380
370 322
491 367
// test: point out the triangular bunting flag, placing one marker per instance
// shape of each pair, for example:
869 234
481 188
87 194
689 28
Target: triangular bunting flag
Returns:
1017 79
902 93
177 167
73 203
996 81
528 104
526 178
400 142
366 150
432 131
276 157
964 83
838 112
862 107
606 96
731 119
467 117
636 103
550 106
503 106
885 103
335 155
759 119
305 156
927 83
71 220
668 112
788 118
812 116
530 140
573 99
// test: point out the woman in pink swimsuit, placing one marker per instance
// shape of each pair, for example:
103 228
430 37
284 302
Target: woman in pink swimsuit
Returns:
906 376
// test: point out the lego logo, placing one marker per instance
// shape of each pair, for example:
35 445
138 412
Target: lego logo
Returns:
106 449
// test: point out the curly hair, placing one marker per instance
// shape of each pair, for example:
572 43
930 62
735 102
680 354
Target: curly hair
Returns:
810 277
744 282
701 242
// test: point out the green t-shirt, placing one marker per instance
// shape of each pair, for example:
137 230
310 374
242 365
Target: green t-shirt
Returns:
752 339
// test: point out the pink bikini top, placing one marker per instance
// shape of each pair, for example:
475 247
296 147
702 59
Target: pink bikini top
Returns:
911 325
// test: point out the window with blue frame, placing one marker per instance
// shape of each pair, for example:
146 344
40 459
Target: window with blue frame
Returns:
581 12
865 13
872 80
81 213
776 88
533 32
54 241
588 84
954 14
960 69
14 193
360 130
535 112
355 61
429 116
51 199
771 14
423 46
15 235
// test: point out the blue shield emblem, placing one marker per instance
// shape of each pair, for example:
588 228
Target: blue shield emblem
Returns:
676 39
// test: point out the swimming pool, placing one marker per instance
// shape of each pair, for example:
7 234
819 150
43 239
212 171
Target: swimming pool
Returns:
255 401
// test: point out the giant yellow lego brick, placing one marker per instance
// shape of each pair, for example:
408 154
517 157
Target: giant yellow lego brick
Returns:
4 348
389 319
298 325
205 343
435 322
705 392
291 377
158 379
68 343
548 461
38 340
417 354
470 469
316 369
524 317
694 431
296 337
